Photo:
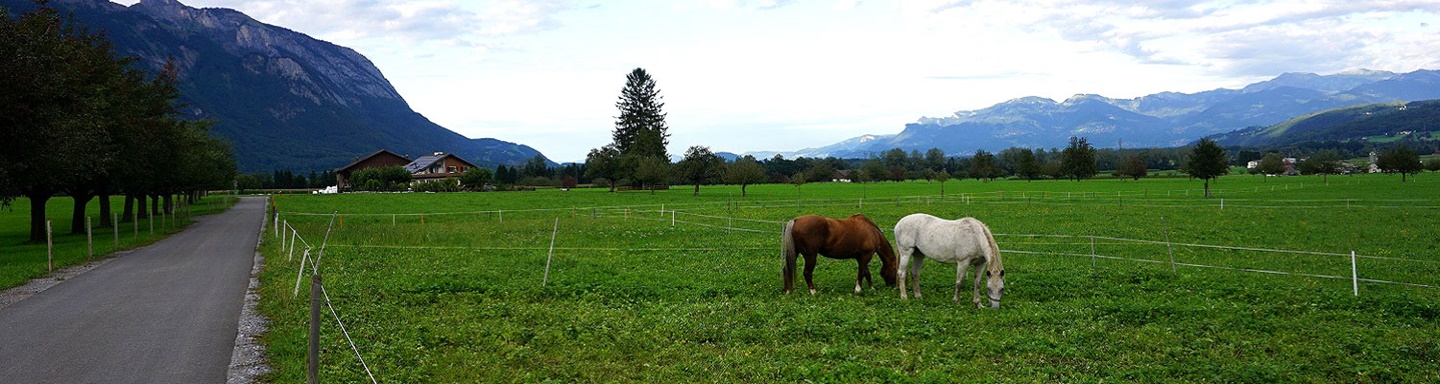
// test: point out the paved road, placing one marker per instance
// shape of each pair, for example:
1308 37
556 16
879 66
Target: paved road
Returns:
166 313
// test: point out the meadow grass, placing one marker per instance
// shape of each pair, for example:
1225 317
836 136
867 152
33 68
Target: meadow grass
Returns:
22 260
447 287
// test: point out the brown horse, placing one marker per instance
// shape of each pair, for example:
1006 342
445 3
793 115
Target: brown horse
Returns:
855 237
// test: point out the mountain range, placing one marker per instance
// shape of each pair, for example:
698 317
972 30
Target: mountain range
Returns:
1164 119
283 99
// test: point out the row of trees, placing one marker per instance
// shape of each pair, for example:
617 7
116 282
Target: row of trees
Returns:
78 120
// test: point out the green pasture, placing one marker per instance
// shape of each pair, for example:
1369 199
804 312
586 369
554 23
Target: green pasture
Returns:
21 260
448 287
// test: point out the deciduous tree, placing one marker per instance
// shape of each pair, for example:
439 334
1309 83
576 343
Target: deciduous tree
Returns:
1078 159
744 171
699 166
1207 162
1400 159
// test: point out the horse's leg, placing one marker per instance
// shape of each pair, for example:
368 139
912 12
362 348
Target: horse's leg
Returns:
862 274
979 272
915 271
901 271
959 278
810 272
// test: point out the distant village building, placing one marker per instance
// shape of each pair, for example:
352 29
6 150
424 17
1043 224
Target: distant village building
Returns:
1288 161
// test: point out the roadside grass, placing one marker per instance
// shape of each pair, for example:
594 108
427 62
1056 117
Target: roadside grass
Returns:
21 260
456 295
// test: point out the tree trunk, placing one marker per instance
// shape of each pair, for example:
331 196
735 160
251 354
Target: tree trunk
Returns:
697 189
742 190
105 210
155 205
141 210
127 213
169 200
77 216
1207 187
37 216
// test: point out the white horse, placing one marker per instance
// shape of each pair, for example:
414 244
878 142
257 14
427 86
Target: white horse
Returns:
964 242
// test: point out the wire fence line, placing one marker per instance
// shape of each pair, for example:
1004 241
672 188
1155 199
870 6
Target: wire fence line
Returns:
991 197
293 236
1108 257
658 216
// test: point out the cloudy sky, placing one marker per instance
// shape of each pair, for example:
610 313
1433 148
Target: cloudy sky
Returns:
742 75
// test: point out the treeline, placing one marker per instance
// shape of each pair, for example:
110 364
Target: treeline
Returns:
285 180
77 120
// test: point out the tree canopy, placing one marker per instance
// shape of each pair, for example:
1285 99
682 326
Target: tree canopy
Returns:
1400 159
78 119
699 166
1207 161
1078 159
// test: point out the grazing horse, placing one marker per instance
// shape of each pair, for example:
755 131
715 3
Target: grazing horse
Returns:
855 237
964 242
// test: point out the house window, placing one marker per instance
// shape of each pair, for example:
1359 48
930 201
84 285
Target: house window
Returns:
452 169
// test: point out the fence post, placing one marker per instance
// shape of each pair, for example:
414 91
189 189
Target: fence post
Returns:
115 222
89 240
312 368
49 249
553 232
152 224
502 216
293 235
1168 247
672 219
1354 275
277 224
135 227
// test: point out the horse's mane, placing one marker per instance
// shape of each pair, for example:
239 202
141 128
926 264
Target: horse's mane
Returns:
994 265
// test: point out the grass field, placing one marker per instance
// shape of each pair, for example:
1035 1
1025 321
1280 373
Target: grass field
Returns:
21 260
447 287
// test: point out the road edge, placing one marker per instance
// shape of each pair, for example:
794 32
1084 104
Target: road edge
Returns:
248 361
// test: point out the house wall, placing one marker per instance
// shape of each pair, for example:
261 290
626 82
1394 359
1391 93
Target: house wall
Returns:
383 159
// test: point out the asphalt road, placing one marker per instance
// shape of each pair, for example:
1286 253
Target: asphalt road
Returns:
166 313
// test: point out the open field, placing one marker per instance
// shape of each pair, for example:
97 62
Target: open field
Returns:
21 261
447 287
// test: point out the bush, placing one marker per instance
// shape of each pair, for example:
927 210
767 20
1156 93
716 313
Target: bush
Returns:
1433 165
448 184
394 178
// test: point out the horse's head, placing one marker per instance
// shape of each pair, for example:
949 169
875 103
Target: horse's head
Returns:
994 287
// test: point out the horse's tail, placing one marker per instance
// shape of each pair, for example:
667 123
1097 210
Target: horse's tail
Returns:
787 251
889 263
992 262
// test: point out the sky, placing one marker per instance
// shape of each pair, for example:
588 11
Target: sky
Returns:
783 75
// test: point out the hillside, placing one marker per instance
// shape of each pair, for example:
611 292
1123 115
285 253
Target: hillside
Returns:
1364 123
284 99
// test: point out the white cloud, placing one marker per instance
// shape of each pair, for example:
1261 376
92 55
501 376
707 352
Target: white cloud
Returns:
809 73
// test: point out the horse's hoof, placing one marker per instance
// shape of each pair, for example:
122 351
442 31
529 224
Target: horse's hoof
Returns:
812 292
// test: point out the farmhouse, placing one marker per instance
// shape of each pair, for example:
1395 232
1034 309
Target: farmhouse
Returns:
379 159
438 165
435 166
